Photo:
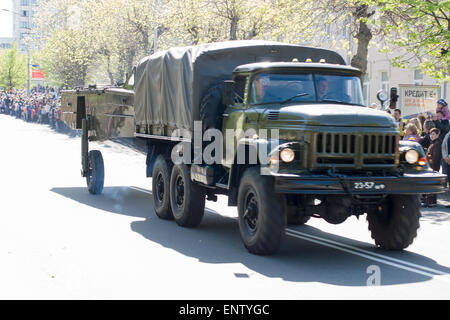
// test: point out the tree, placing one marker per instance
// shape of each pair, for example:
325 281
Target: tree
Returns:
13 68
68 56
422 29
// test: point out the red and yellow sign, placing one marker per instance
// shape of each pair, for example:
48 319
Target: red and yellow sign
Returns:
37 74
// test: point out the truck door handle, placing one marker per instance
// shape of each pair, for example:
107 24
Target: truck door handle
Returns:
225 115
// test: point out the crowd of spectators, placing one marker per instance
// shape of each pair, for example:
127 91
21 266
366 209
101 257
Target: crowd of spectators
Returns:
432 131
42 106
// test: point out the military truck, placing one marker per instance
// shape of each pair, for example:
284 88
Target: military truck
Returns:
297 141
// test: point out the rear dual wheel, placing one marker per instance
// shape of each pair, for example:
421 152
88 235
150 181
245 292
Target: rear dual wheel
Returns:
161 188
187 198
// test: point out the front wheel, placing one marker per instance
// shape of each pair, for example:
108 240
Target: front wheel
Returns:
394 224
262 213
96 174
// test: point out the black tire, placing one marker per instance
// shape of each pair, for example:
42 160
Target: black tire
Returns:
295 216
186 198
96 174
161 188
396 225
262 213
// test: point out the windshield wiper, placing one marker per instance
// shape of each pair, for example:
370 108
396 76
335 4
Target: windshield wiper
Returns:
296 96
342 102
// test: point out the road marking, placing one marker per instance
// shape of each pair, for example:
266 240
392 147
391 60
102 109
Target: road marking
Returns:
140 189
401 264
368 252
370 257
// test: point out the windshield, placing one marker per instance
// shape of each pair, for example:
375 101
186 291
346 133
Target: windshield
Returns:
306 87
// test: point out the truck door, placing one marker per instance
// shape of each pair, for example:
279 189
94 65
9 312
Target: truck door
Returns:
234 121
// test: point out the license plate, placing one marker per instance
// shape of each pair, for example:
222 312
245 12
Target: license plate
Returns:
367 186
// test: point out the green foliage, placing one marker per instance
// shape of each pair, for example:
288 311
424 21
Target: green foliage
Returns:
422 29
80 39
13 68
67 56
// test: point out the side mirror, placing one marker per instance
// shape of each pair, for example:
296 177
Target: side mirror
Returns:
228 92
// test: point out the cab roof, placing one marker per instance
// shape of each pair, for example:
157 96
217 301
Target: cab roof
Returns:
260 66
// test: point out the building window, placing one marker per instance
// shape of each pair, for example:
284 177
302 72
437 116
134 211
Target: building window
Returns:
385 82
24 3
366 89
24 24
24 13
418 78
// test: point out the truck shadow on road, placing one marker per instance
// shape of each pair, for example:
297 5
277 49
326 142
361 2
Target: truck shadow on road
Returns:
217 240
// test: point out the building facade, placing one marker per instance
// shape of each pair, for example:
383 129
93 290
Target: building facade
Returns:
6 43
24 11
381 75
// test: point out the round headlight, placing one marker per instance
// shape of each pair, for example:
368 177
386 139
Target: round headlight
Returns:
287 155
412 156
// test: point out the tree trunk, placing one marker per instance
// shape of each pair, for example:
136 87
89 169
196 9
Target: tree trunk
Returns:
233 27
108 69
364 36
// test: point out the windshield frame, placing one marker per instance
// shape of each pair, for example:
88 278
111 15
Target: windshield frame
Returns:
314 73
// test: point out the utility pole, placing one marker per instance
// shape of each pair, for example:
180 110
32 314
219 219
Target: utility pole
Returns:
28 48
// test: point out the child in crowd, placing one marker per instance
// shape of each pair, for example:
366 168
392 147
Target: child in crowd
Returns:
411 133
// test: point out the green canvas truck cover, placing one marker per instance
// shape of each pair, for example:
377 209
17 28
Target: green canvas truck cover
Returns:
170 85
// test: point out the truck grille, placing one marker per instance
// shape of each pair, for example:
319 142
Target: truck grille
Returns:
347 150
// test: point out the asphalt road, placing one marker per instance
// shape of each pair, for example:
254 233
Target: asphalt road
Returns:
59 242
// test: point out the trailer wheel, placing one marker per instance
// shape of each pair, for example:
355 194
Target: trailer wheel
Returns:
96 173
161 188
186 198
394 227
262 213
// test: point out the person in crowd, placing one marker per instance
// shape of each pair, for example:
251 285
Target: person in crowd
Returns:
399 121
442 106
411 133
425 141
442 124
422 119
434 155
416 122
446 156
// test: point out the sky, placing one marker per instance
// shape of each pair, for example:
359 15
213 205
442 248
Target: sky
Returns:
6 18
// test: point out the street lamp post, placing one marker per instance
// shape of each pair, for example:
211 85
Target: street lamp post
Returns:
155 26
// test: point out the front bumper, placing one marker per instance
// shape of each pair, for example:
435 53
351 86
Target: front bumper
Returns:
423 183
